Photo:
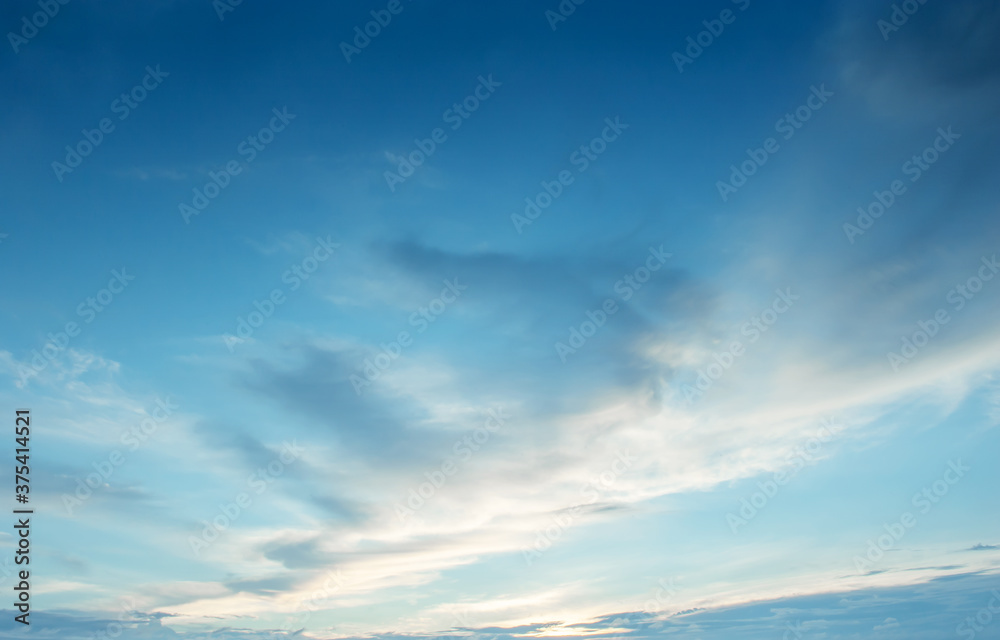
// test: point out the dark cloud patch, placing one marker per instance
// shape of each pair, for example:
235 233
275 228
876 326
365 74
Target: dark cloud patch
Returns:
375 424
955 45
338 509
517 309
945 57
543 291
499 342
251 451
297 555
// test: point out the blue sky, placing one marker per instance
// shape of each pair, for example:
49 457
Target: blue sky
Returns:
618 357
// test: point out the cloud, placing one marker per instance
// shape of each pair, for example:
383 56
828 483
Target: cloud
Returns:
943 61
569 420
382 428
888 623
924 611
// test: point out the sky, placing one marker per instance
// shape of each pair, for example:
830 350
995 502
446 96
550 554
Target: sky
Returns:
422 319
